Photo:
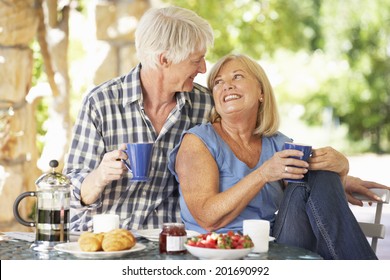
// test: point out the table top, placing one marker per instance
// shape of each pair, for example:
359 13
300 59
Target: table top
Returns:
15 249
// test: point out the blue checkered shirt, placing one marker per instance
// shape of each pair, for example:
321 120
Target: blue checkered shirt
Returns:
112 114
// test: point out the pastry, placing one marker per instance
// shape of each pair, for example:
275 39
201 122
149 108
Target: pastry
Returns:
118 240
114 240
91 242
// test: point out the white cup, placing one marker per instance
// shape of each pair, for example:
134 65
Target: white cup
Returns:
258 231
105 222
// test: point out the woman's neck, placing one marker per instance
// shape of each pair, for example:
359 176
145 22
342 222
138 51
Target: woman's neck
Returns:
241 140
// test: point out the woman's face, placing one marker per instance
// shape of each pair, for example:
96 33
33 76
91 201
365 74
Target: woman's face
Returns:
236 91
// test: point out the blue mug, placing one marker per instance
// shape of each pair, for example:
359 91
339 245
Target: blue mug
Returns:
140 157
306 149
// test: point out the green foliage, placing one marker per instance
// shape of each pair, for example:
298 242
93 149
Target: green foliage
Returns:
351 38
37 61
42 106
80 5
329 55
257 28
362 40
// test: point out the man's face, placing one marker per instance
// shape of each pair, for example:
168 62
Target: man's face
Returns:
181 76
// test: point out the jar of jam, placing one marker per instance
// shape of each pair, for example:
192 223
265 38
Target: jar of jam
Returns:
172 239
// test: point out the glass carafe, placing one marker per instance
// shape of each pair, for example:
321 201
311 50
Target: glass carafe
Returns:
52 222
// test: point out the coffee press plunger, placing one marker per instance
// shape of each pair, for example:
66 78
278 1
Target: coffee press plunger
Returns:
52 209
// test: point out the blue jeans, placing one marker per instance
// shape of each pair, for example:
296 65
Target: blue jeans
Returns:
316 216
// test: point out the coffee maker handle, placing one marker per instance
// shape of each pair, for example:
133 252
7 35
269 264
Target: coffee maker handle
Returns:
16 209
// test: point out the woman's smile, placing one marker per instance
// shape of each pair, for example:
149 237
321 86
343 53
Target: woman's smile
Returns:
231 97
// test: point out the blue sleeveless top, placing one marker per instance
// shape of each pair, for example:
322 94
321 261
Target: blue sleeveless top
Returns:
231 170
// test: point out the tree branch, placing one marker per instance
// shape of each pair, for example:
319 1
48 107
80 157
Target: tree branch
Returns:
45 50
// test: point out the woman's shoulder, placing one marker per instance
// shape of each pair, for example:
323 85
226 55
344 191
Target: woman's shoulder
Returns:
203 128
206 133
279 136
277 139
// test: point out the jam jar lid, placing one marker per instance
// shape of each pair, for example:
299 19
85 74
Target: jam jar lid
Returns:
52 179
172 224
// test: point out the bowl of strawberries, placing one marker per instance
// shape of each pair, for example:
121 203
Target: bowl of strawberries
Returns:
219 246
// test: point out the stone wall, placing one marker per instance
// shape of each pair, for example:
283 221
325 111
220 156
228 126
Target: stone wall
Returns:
115 23
18 26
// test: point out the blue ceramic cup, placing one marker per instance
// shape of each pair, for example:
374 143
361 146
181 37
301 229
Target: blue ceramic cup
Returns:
140 157
306 149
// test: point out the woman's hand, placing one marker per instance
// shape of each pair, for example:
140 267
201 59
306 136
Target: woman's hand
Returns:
329 159
283 166
357 185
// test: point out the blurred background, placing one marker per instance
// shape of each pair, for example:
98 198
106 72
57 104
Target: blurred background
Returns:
328 61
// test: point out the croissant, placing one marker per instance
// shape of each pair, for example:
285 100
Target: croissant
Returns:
118 240
91 242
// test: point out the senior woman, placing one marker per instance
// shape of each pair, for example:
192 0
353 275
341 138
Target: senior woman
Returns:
233 168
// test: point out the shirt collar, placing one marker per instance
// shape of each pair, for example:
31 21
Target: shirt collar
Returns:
182 98
132 90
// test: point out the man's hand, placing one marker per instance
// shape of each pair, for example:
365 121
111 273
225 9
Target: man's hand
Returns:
357 185
111 168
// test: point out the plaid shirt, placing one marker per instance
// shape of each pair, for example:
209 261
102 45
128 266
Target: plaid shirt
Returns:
112 114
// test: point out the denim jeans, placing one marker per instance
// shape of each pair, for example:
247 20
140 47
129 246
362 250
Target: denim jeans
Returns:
316 216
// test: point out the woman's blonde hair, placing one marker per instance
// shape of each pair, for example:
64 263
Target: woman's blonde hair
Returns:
268 116
176 31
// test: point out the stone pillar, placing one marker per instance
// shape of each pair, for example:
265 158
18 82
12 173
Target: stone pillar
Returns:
115 26
18 152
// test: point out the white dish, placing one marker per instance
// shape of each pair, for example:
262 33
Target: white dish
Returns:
74 249
218 254
154 234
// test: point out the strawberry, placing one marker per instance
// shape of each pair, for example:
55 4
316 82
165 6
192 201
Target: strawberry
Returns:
230 233
213 240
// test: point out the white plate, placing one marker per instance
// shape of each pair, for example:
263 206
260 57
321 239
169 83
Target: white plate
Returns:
154 234
218 254
74 249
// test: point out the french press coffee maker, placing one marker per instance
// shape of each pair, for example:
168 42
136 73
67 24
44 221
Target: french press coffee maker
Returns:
52 209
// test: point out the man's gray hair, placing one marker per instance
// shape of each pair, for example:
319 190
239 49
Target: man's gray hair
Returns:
174 30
